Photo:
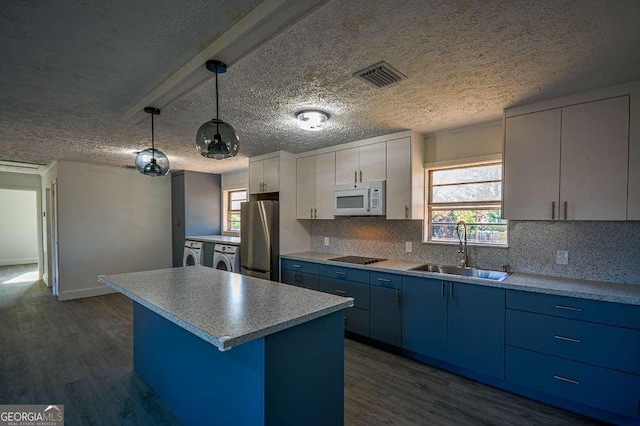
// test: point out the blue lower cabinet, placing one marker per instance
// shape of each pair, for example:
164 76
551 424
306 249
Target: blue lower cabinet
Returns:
424 316
476 328
385 315
598 387
356 321
300 279
344 288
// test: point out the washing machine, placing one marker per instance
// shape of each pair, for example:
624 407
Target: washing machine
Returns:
226 258
192 253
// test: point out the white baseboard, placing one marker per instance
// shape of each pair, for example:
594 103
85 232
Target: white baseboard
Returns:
85 292
11 262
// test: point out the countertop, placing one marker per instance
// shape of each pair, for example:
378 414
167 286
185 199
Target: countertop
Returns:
220 239
224 308
596 290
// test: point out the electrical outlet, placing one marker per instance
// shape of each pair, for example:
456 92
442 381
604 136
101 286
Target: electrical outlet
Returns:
562 257
408 246
326 241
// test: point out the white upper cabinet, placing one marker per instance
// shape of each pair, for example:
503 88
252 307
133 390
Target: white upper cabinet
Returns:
361 164
568 163
325 179
314 186
532 166
595 160
264 175
405 178
305 187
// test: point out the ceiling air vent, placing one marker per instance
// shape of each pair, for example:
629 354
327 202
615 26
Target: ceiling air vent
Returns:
380 75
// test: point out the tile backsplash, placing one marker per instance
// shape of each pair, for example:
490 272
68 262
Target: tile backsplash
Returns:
605 251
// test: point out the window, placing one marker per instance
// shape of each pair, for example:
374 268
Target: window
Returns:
233 200
471 194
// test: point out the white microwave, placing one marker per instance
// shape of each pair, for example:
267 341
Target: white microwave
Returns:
359 199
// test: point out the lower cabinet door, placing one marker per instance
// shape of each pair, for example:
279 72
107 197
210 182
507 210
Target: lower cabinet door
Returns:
476 328
385 315
300 279
344 288
424 316
606 389
356 321
289 277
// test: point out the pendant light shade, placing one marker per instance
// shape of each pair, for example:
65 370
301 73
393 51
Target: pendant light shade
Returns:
152 162
215 138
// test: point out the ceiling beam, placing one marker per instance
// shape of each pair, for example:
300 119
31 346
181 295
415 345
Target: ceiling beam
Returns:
264 22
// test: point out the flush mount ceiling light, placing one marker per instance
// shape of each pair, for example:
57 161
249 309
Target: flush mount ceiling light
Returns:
312 120
215 138
152 162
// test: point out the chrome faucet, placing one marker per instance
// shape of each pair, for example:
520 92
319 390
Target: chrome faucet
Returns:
462 249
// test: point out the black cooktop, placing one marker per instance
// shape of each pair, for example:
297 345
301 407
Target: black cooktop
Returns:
358 260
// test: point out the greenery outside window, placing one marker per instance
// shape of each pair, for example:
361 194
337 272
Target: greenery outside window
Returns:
471 194
233 200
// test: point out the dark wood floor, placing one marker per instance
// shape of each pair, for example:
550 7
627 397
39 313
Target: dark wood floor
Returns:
79 353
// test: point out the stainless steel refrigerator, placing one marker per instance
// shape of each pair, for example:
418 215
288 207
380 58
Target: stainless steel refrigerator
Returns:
259 243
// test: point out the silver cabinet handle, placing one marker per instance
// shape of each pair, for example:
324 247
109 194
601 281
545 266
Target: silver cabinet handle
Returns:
442 288
451 289
568 339
568 308
565 210
564 379
406 212
360 175
397 297
355 176
553 210
341 273
315 213
384 280
341 292
297 266
311 212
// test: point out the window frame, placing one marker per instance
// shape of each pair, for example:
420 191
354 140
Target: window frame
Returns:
227 194
462 205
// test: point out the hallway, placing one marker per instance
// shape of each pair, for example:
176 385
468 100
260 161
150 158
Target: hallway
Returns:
18 273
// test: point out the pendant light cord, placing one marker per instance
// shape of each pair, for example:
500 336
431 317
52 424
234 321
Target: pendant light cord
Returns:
153 146
217 106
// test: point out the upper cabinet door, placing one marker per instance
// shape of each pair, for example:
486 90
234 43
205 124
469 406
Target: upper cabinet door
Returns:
373 162
305 187
399 188
255 177
325 179
272 174
595 160
532 166
347 166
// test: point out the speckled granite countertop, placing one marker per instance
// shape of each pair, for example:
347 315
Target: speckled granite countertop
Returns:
218 239
223 308
596 290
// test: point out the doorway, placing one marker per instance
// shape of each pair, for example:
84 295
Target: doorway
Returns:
20 249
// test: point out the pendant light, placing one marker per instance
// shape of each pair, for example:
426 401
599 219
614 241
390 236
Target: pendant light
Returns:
152 162
215 138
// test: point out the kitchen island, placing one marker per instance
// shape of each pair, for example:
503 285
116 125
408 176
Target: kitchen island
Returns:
223 348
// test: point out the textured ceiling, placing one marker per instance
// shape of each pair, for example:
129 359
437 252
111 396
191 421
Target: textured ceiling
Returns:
68 73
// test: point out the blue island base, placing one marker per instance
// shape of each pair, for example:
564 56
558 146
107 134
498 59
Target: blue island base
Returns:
292 377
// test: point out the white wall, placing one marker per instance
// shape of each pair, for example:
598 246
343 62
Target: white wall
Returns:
18 227
110 220
236 179
452 147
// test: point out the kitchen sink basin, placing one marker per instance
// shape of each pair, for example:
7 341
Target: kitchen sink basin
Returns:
465 272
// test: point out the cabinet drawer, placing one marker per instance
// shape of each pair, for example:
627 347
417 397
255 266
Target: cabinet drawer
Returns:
384 279
356 321
359 292
296 265
608 390
341 273
603 345
570 307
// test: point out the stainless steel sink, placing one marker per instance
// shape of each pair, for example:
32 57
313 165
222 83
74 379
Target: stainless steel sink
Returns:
465 272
